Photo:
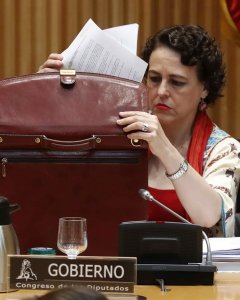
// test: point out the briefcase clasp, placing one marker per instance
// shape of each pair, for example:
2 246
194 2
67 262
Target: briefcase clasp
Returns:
67 77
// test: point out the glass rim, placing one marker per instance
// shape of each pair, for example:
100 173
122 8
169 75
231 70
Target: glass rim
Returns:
72 219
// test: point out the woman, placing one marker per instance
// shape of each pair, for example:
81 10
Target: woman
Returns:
194 166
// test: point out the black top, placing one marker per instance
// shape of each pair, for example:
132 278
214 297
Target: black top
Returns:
5 210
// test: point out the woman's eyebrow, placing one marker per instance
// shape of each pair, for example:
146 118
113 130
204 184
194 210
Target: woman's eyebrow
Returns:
153 72
178 76
173 75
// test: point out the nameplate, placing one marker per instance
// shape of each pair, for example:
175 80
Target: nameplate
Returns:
42 272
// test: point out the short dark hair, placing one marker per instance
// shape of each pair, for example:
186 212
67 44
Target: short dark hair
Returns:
71 293
196 48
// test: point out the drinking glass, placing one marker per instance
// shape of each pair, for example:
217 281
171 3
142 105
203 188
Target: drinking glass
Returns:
72 236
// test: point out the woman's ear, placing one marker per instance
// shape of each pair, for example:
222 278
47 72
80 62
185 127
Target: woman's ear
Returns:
204 93
202 104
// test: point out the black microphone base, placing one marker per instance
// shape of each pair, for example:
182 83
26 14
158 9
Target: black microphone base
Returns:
190 274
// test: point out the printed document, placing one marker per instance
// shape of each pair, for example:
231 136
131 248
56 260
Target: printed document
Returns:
224 249
111 51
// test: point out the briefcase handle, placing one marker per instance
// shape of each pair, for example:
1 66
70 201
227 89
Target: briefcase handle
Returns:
21 141
100 141
85 144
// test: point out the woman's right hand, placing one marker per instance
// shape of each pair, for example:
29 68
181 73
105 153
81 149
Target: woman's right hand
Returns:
52 64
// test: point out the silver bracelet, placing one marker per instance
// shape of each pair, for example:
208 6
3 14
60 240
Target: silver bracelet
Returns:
182 170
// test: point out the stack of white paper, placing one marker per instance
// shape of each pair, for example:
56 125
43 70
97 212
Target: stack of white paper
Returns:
111 51
224 249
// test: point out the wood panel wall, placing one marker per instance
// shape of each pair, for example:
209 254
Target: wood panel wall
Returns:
31 29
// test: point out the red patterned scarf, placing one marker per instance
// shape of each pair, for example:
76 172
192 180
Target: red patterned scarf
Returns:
202 129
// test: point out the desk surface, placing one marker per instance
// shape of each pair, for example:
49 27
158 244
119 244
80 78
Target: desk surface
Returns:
226 287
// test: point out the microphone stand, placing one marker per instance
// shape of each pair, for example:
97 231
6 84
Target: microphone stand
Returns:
146 195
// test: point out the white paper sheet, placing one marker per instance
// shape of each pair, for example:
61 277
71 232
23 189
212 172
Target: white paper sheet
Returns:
125 35
95 51
224 249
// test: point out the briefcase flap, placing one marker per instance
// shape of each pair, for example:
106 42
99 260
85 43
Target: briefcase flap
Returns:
67 109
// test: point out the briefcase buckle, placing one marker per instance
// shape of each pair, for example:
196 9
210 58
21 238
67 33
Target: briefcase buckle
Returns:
136 143
67 77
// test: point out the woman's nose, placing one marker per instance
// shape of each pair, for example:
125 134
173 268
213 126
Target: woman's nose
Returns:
163 89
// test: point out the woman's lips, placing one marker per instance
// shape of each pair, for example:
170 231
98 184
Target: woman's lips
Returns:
161 106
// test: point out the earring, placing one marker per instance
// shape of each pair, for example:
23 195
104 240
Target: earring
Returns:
202 105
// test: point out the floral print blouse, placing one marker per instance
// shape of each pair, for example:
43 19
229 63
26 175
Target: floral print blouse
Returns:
222 172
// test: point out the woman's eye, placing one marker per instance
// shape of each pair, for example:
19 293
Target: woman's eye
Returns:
177 82
154 78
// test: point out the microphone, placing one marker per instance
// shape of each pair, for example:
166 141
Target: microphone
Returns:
146 195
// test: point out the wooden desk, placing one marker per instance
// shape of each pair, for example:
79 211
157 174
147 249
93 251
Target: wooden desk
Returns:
226 287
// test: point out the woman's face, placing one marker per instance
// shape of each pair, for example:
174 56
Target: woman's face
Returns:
174 89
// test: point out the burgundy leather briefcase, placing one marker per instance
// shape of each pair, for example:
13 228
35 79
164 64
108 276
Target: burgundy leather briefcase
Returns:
62 154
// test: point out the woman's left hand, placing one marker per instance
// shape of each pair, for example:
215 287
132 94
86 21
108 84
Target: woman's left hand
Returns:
142 125
52 64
